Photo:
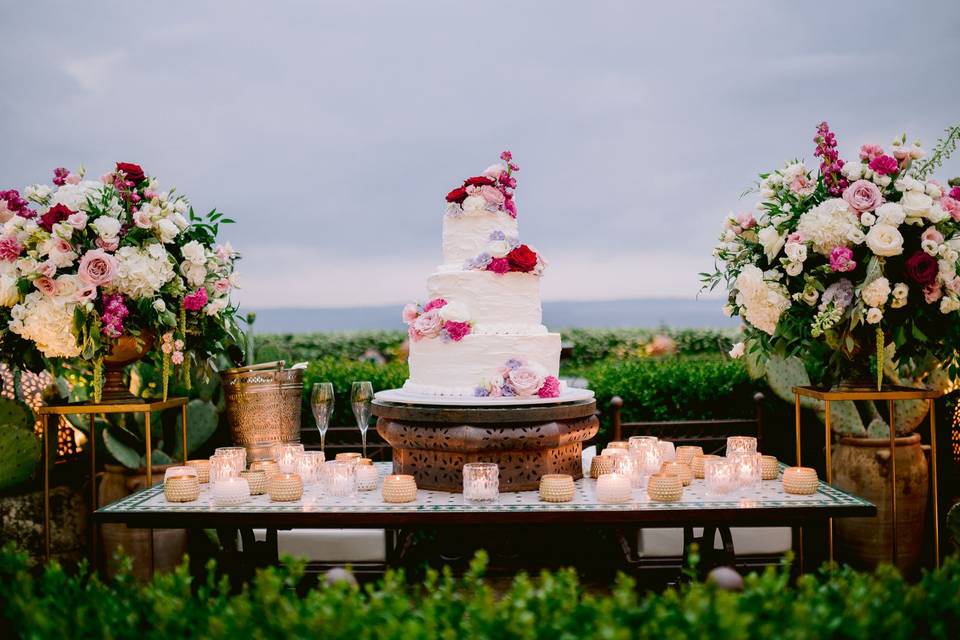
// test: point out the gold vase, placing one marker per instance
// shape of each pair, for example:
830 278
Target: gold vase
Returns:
127 350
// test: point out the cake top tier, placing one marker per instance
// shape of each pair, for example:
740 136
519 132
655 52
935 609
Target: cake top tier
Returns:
491 191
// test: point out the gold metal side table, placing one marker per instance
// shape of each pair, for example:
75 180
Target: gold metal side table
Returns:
145 407
890 394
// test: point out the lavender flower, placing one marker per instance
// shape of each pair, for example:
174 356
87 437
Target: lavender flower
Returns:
507 391
840 293
513 363
480 262
498 235
480 392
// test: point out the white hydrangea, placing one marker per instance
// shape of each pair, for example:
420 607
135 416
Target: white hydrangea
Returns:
142 272
46 320
762 302
74 196
828 225
876 293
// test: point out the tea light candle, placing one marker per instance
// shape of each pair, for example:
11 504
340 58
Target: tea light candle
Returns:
237 453
285 487
664 487
720 476
614 488
800 480
600 465
286 455
256 479
366 477
747 466
637 442
269 467
481 482
686 453
176 472
224 466
310 467
736 444
341 478
230 491
202 468
769 468
667 450
399 488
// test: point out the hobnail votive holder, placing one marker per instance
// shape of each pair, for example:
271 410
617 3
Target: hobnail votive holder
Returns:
719 476
600 465
230 491
686 453
310 467
269 467
256 479
747 465
285 487
341 478
398 488
667 451
800 480
736 444
286 455
203 469
481 482
697 465
664 487
681 470
366 477
181 488
614 488
769 467
556 487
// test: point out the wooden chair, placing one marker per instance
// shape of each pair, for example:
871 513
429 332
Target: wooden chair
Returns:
709 434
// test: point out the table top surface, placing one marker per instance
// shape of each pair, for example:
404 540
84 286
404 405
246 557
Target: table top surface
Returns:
765 505
78 408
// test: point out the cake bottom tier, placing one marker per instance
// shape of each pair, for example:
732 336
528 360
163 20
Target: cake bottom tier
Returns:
456 368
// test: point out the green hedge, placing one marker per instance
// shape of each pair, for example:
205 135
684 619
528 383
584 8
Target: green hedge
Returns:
833 604
342 373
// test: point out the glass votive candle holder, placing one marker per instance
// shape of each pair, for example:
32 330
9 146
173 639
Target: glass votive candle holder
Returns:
224 466
800 480
686 453
230 491
667 450
203 469
650 458
697 465
616 445
310 467
399 488
736 444
286 455
769 467
636 442
629 466
256 479
481 482
719 476
341 478
349 456
240 453
366 477
285 487
747 465
614 488
269 467
682 471
664 487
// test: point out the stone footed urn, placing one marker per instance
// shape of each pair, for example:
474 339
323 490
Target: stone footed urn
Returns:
127 350
862 466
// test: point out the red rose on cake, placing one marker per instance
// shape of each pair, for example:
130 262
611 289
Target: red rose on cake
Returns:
458 195
523 259
478 181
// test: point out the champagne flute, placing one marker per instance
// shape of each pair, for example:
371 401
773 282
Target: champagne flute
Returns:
321 401
361 397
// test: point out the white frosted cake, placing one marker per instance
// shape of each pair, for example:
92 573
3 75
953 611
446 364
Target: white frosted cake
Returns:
480 333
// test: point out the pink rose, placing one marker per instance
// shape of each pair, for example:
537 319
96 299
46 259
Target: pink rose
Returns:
97 267
795 238
841 259
746 220
492 195
10 248
932 292
47 268
870 151
77 220
428 324
457 331
525 381
46 285
221 286
410 313
952 206
863 196
436 303
550 388
493 171
931 233
108 245
87 294
412 332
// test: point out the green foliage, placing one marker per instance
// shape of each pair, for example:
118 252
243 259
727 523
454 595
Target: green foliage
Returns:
833 603
19 453
342 373
593 345
16 413
301 347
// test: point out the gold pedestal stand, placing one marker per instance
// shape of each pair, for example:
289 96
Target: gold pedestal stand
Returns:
890 395
145 407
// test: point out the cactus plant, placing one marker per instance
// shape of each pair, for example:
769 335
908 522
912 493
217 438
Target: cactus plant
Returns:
19 453
14 412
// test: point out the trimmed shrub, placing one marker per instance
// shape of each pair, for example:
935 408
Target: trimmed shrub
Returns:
342 373
838 603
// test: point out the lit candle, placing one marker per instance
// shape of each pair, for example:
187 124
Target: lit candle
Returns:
614 488
736 444
341 478
720 476
309 466
230 491
224 466
286 455
800 480
748 469
285 487
481 482
366 477
399 488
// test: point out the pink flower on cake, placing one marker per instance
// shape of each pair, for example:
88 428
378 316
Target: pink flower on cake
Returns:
499 265
429 323
493 171
863 196
506 156
436 303
550 388
510 207
196 300
492 195
884 165
415 336
525 380
456 331
410 312
97 267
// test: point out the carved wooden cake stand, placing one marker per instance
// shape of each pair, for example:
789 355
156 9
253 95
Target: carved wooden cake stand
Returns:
432 443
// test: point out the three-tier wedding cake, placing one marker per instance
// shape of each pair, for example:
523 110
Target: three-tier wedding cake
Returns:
480 333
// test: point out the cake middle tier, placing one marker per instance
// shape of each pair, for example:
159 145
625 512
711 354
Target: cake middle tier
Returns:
466 236
496 302
456 368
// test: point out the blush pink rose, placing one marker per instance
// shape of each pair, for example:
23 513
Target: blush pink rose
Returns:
142 219
47 268
77 220
746 220
429 323
932 292
87 294
221 286
415 336
45 285
863 196
97 267
550 388
525 381
870 151
410 313
108 245
436 303
931 233
492 195
951 206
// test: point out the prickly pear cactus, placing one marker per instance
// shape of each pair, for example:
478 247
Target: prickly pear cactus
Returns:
19 452
14 412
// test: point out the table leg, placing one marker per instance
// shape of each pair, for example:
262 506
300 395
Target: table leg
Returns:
936 505
93 490
893 482
45 428
183 428
828 444
146 424
796 397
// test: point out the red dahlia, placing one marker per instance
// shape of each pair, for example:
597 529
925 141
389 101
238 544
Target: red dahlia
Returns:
457 195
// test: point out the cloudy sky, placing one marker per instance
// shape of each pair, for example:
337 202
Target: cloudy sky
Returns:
331 131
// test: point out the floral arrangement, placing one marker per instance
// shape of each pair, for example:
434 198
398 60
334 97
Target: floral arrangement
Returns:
853 264
519 378
85 262
491 191
506 255
449 320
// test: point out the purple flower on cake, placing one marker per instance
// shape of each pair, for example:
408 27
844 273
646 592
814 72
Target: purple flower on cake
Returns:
480 392
513 363
841 259
429 323
550 388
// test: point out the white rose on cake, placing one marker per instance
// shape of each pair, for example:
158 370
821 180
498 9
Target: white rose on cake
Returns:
474 203
454 312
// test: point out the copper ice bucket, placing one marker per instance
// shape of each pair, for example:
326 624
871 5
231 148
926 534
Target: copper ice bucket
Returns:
263 406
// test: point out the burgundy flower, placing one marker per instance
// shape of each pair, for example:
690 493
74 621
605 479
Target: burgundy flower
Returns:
522 258
133 172
478 181
15 204
60 175
885 165
922 268
510 206
457 195
56 213
499 265
955 193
